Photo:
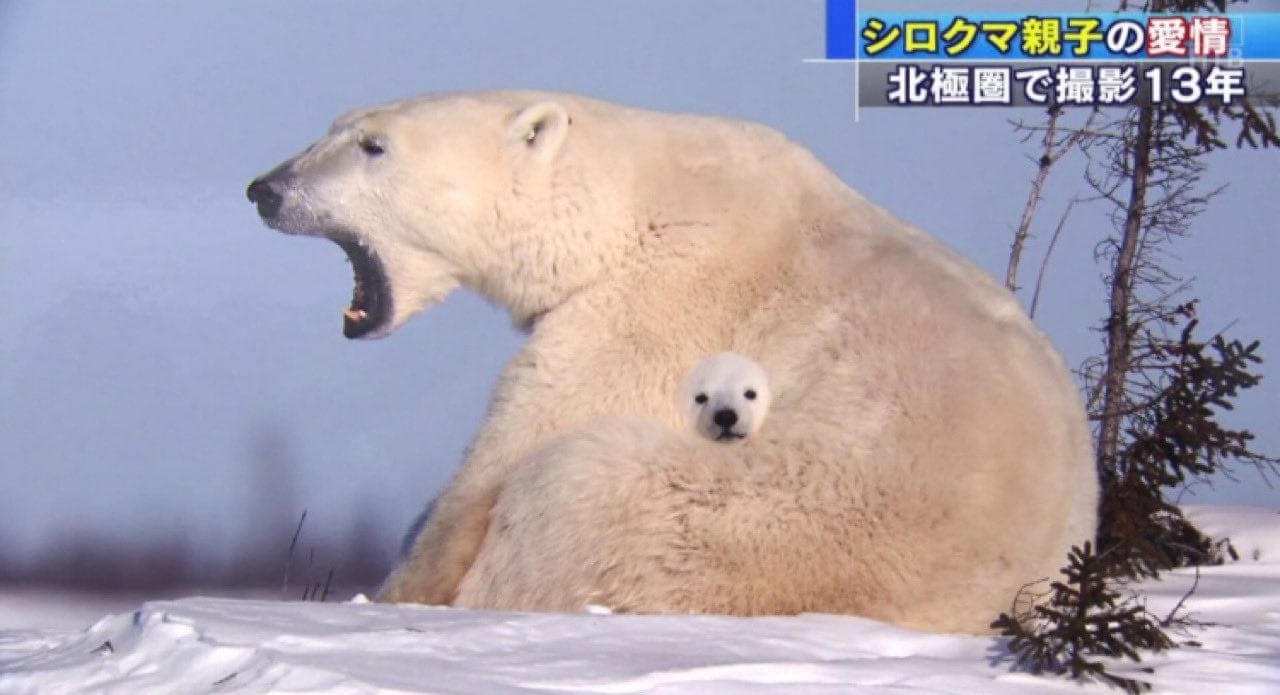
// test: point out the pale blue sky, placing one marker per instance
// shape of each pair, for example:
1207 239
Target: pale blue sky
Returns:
153 325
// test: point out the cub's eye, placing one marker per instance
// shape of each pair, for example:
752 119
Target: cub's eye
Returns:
750 394
700 398
371 145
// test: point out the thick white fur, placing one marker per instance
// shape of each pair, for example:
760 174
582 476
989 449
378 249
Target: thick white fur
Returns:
726 381
926 453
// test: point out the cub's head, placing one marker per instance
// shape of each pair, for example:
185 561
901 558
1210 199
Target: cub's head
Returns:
483 190
726 397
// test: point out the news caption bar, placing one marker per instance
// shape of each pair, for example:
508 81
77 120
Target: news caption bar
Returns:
1042 59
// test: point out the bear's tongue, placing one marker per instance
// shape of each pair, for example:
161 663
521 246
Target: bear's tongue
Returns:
368 308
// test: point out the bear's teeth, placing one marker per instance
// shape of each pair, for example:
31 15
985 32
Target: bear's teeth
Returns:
355 314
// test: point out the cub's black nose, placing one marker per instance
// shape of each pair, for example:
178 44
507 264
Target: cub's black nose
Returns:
265 197
726 418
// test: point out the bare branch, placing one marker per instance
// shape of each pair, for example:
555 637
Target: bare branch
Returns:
1054 145
1168 619
1044 264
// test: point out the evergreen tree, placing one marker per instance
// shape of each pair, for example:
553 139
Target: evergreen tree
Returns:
1084 621
1156 391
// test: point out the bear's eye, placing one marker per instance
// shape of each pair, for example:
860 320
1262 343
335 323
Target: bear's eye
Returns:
371 145
750 394
700 398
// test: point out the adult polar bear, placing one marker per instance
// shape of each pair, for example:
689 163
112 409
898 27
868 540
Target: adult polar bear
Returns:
927 453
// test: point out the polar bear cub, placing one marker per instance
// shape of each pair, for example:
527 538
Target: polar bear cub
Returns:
725 397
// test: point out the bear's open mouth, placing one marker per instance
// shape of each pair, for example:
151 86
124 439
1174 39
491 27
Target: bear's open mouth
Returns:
371 297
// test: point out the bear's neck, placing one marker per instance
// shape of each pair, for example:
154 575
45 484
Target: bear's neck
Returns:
707 201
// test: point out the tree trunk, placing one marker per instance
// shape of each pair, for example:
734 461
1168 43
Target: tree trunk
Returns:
1119 330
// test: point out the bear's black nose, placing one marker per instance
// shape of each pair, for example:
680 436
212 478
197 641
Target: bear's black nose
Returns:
267 199
726 418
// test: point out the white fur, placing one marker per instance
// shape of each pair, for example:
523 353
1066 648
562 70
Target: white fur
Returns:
926 453
726 382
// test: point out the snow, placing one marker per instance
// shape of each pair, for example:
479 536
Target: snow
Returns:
197 645
51 610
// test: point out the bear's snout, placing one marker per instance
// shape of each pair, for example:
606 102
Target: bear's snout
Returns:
726 418
266 197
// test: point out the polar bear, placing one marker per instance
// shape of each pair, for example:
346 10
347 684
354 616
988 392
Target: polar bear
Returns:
726 397
927 451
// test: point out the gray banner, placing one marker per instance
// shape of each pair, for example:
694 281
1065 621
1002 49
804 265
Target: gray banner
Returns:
952 84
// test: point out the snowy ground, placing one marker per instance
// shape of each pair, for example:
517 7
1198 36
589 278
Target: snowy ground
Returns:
198 645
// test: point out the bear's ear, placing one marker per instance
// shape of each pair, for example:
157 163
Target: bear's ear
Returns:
540 129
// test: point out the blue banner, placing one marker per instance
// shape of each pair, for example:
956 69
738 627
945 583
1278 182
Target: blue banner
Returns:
842 27
901 36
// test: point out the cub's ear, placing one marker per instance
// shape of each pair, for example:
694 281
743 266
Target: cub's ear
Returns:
540 129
